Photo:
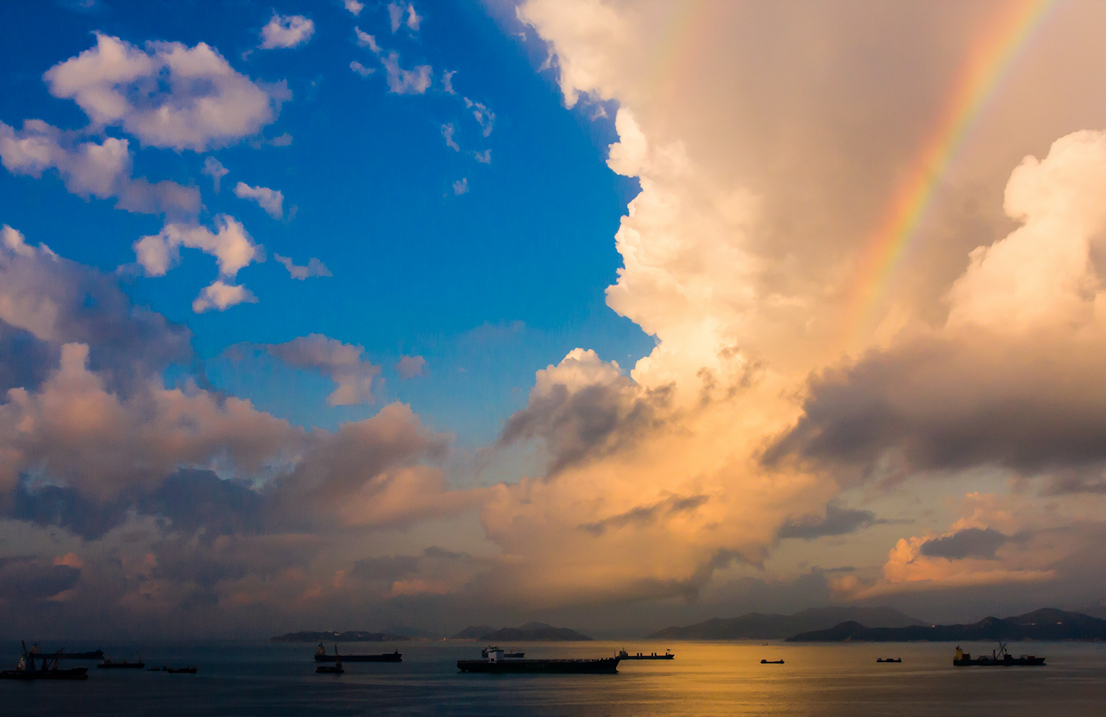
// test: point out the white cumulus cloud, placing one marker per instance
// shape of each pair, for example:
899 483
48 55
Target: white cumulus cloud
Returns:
484 117
361 69
396 13
410 367
285 31
91 169
221 295
214 169
231 245
314 268
271 200
168 94
342 363
447 132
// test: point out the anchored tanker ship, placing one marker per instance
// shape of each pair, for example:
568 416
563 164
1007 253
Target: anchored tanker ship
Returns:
497 663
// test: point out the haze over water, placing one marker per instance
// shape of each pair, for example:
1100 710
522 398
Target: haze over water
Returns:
706 678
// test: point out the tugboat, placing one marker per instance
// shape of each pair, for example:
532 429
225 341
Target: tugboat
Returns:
999 658
888 659
321 656
335 669
654 656
496 663
49 670
771 662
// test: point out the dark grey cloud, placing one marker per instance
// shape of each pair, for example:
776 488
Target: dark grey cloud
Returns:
644 515
25 361
67 302
65 507
27 578
587 423
936 404
1072 482
836 521
967 543
386 569
191 500
188 501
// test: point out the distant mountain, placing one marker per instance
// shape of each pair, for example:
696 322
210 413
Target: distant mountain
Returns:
755 626
534 632
473 632
351 636
1044 624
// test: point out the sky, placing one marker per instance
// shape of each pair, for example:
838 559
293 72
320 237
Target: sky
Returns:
413 315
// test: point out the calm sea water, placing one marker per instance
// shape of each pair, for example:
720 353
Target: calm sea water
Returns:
706 678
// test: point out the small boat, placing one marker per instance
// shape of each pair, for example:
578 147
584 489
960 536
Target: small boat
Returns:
997 658
771 662
108 663
888 659
50 669
335 669
653 656
496 663
180 670
321 656
153 669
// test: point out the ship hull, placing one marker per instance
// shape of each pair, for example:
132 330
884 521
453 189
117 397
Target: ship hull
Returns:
387 657
1009 662
607 665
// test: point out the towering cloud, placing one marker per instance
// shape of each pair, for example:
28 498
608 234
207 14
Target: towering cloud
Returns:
742 256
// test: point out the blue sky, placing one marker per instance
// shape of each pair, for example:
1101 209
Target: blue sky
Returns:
488 286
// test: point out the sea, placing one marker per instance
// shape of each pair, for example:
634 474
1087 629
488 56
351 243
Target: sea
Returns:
705 678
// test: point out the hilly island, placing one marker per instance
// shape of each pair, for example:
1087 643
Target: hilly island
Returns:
1046 624
756 626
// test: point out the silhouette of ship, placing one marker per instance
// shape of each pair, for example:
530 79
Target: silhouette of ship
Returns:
335 669
888 659
639 656
497 663
321 656
999 658
108 663
50 669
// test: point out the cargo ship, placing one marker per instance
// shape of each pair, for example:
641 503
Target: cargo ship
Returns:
497 663
50 669
321 656
999 658
639 656
92 655
108 663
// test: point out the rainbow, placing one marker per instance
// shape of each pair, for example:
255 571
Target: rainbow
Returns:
981 74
